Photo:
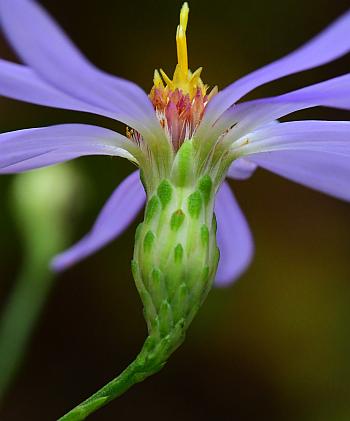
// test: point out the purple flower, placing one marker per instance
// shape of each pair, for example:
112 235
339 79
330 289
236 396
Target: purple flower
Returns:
56 74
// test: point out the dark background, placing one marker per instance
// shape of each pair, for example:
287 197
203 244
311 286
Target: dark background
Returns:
274 346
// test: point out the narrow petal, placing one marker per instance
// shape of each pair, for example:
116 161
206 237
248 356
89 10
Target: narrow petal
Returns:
326 172
325 136
234 237
19 82
119 211
25 150
329 45
248 116
241 169
313 153
46 49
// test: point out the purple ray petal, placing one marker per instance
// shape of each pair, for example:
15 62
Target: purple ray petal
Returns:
326 172
20 82
47 50
248 116
323 136
24 150
234 237
241 169
119 211
330 44
313 153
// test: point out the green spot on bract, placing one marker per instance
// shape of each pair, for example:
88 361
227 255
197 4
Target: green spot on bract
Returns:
204 235
165 192
152 208
148 241
138 232
156 276
157 288
195 204
165 318
177 219
180 302
205 186
184 164
178 253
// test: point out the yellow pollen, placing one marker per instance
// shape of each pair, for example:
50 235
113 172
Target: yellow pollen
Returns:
183 79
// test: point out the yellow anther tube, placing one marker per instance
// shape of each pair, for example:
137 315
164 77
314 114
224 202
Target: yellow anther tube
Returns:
184 16
181 42
183 79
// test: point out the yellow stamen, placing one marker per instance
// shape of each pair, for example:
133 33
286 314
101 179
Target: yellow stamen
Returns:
195 78
157 80
167 80
184 16
183 79
213 92
181 42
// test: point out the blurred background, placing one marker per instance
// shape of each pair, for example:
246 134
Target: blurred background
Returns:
275 345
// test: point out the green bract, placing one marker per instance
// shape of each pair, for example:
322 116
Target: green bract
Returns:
176 255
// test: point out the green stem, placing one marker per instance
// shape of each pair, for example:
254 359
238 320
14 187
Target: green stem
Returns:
130 376
151 359
19 318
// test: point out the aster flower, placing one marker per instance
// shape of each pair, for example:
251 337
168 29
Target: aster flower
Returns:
186 139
